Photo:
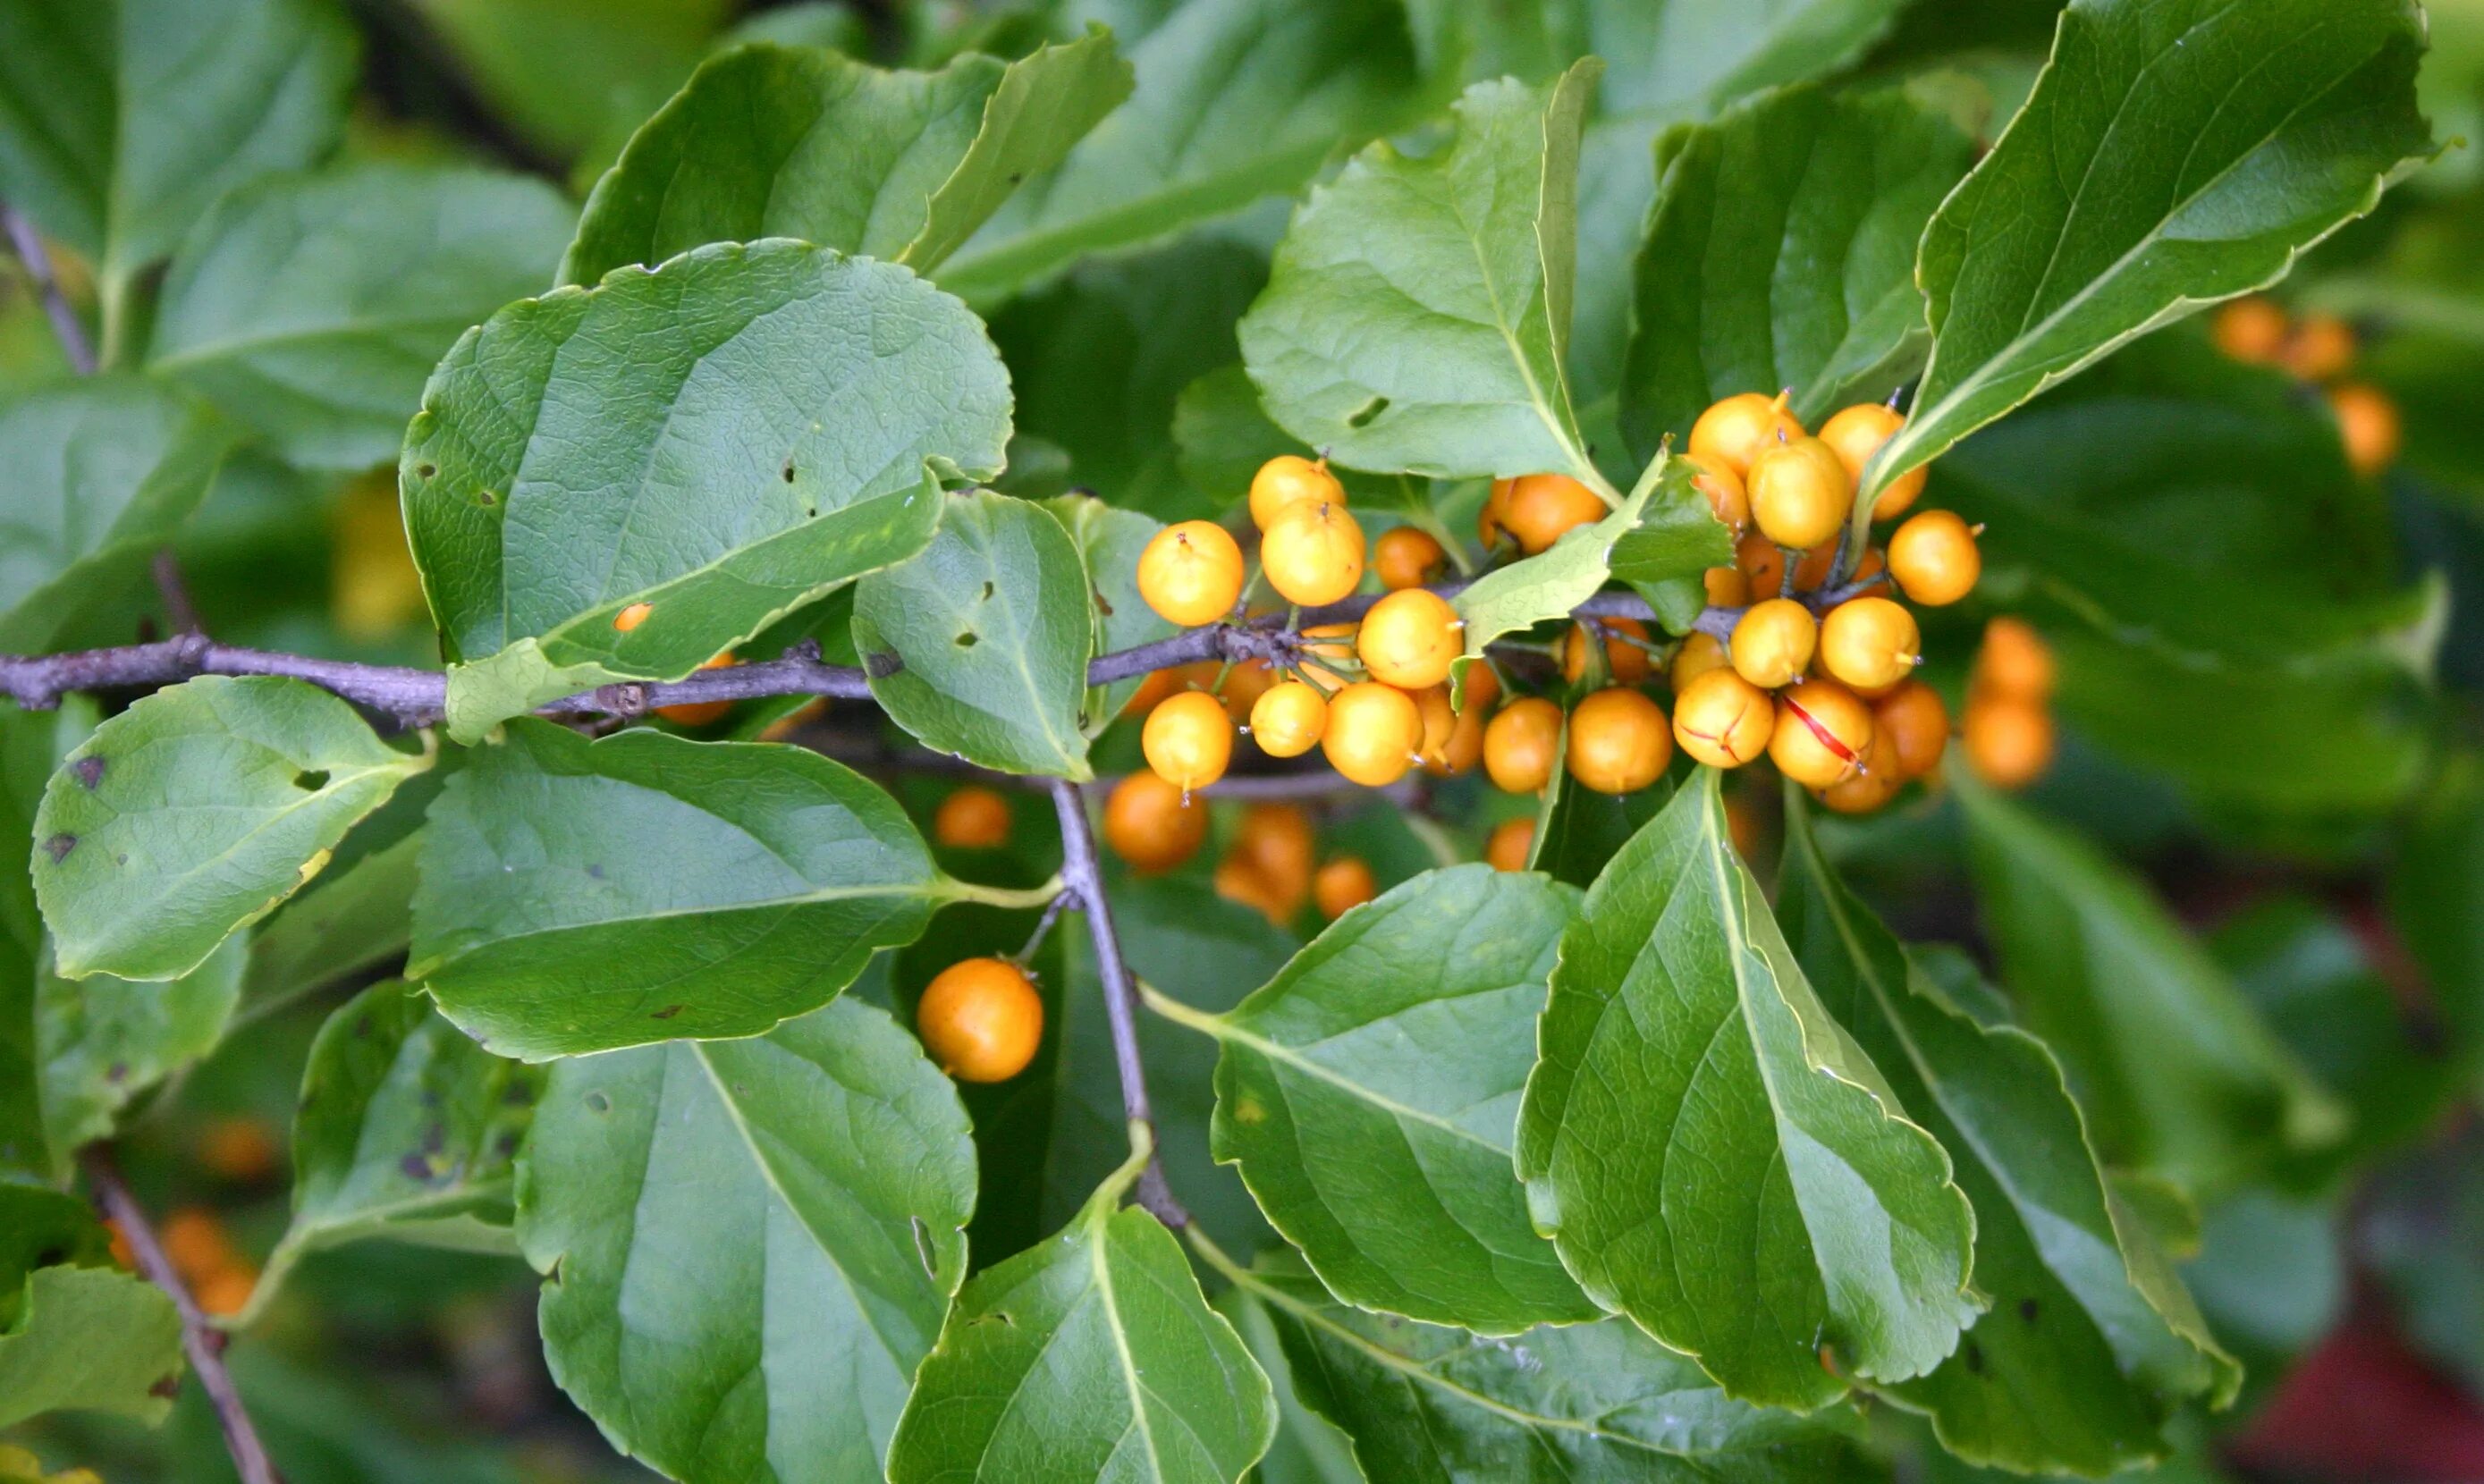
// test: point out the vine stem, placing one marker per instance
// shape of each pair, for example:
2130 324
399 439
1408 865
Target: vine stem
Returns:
1081 873
201 1341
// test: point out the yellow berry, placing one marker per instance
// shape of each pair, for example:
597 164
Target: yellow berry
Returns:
1149 824
1288 478
1191 574
1520 743
972 818
1822 729
1773 642
1731 434
1312 552
2367 422
1699 653
1935 559
1723 488
1288 719
1723 720
1408 639
1188 740
1542 507
2015 662
2251 330
1619 741
1372 731
1509 845
1854 434
1800 493
1870 644
2008 742
1910 729
1405 556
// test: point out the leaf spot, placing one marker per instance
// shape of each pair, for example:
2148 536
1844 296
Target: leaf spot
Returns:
415 1167
988 591
166 1388
969 639
311 780
426 470
1365 415
597 1103
88 772
2028 1309
1250 1110
668 1012
486 497
58 846
596 872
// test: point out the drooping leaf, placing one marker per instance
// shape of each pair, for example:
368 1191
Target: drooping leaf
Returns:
1428 1405
195 812
721 439
1715 1156
748 1244
991 627
89 1339
1369 1094
1092 1356
406 1129
1419 308
1307 1448
2092 1343
121 123
582 895
2172 154
2173 1069
769 141
1109 542
1782 255
311 309
95 477
1234 101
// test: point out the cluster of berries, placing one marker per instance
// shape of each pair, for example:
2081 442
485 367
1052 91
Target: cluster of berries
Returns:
2318 350
2008 723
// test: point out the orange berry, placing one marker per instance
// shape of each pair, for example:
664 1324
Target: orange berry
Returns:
1191 574
1625 661
226 1292
1870 644
972 818
2367 422
700 713
1406 557
1800 493
632 616
1488 519
1238 882
1731 434
1342 885
2013 662
1372 731
1763 565
1699 653
2322 346
1464 746
1312 552
1147 822
794 720
1854 434
1288 719
1287 479
1619 741
195 1241
1509 845
1726 586
1773 641
240 1148
1723 488
1910 729
1543 507
1439 724
1934 559
1243 684
1873 785
1410 638
1723 720
2251 329
1519 746
1153 687
2008 742
1189 739
1822 729
981 1020
1275 841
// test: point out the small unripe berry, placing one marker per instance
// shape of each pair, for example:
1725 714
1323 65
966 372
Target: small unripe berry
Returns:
1723 720
1625 661
1288 719
2008 742
1510 843
1191 574
1619 741
1822 730
1763 565
1372 732
1188 740
1726 587
2251 330
1542 507
2013 662
1854 434
1910 729
1935 559
1288 478
1408 639
981 1020
1699 653
2367 422
2322 346
1870 644
1521 745
1342 885
972 818
1466 739
1148 824
1800 493
1312 552
1773 642
1731 434
1405 556
1723 487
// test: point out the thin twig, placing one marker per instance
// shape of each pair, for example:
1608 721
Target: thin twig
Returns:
29 246
201 1341
175 590
1082 874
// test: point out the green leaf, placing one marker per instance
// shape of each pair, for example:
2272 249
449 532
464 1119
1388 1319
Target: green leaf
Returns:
1109 542
1715 1156
1553 582
1234 101
2173 1069
1091 1357
195 812
2175 153
1369 1093
1577 830
748 1244
1677 539
584 896
772 140
1782 255
1428 1405
573 79
44 1227
764 439
2436 902
1307 1449
2090 1343
406 1129
992 629
121 123
353 919
89 1339
310 309
1417 312
94 478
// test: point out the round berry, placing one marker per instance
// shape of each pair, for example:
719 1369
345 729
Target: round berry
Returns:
1763 566
1372 731
1342 885
2367 422
1731 434
1243 684
1854 434
1288 719
1910 729
1627 662
1488 530
2251 330
2322 346
1543 507
1619 741
1188 740
1439 723
1275 841
1870 644
981 1020
1822 729
1723 720
1873 784
1773 642
972 818
1510 843
1723 488
1236 880
1521 745
1289 478
1935 559
1408 639
1149 824
1800 493
1699 653
1191 574
2014 661
2008 742
1726 586
1312 552
1405 556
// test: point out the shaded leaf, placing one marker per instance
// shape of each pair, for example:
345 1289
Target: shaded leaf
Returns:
1553 582
1109 542
1577 829
354 918
1307 1449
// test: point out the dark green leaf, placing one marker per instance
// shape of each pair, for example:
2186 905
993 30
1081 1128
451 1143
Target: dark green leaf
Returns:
89 1339
749 1244
583 896
993 626
1307 1448
573 79
1419 308
772 141
2175 153
195 812
311 309
1577 829
1715 1156
762 438
2423 1232
2436 897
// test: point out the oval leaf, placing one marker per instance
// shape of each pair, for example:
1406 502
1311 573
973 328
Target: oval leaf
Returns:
759 437
1714 1157
584 896
749 1243
195 812
89 1339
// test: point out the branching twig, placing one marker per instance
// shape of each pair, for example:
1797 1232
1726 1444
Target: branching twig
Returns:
175 590
201 1341
29 247
1081 873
